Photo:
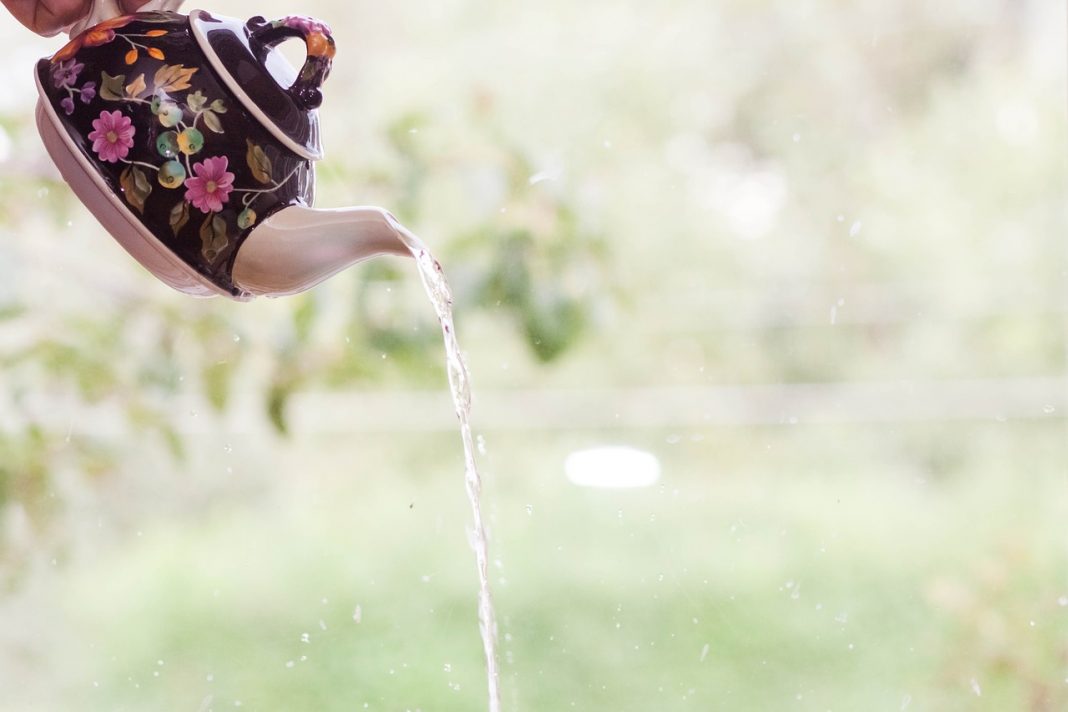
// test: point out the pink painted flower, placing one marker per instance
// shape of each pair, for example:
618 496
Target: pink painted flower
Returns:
210 187
112 136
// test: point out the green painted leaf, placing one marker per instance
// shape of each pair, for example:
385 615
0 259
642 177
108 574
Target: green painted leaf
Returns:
112 88
258 162
179 216
196 100
135 187
218 106
213 238
211 120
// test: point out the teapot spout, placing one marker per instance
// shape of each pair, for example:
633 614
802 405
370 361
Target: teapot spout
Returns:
299 247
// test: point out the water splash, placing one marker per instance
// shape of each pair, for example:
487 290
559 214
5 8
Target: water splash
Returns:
437 288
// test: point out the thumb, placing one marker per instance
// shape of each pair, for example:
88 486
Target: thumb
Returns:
129 6
48 19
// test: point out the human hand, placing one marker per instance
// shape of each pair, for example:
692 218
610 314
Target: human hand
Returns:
47 17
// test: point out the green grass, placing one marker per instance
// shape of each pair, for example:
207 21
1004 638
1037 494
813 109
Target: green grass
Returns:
813 591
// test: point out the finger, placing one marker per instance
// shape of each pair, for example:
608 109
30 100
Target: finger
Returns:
47 17
129 6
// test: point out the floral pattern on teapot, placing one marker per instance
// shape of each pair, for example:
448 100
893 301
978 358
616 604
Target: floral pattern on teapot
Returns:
207 182
184 156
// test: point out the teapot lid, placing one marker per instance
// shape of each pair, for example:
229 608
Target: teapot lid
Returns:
245 56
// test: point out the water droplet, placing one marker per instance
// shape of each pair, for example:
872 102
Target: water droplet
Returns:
530 509
237 337
1062 601
289 663
854 229
304 638
905 702
704 653
481 442
975 687
1048 409
357 614
322 624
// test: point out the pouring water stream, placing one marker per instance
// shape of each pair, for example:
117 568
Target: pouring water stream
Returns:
294 246
437 289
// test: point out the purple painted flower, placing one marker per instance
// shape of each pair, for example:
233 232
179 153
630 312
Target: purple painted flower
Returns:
112 135
67 105
66 73
210 187
87 92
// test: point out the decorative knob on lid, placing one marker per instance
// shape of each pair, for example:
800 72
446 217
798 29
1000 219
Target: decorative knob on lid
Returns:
265 36
245 56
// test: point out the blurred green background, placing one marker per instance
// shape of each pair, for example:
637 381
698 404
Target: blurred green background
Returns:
810 255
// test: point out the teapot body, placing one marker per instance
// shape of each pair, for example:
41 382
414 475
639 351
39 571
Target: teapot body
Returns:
151 133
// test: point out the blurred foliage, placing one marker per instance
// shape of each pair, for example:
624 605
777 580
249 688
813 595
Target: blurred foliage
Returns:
624 195
531 263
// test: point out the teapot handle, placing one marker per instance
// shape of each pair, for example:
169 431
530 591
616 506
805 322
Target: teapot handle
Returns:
320 46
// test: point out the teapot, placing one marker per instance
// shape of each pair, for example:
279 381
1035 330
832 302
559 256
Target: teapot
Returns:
193 141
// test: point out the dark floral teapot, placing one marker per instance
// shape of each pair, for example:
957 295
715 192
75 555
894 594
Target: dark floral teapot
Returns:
193 141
